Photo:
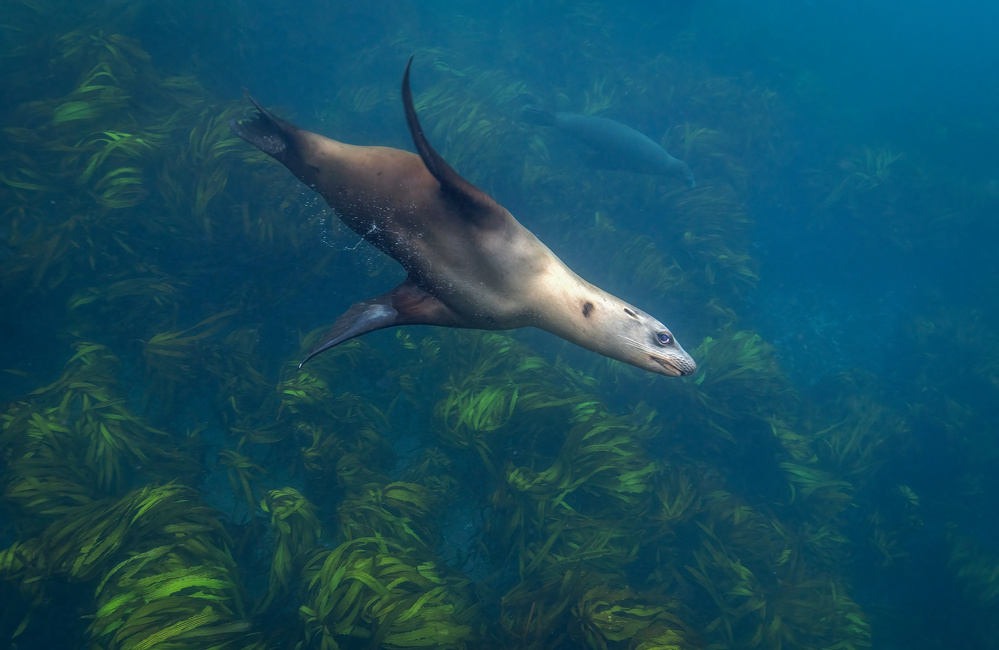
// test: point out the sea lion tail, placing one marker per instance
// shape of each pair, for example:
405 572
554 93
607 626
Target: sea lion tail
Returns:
270 134
538 116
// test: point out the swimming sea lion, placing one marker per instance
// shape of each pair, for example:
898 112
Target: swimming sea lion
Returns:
470 263
614 145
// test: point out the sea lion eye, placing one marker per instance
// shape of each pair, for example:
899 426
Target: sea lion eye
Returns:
664 338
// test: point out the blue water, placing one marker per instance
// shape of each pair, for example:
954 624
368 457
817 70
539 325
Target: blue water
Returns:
845 214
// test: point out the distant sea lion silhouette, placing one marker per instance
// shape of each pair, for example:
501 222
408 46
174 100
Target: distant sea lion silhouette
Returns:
614 145
470 263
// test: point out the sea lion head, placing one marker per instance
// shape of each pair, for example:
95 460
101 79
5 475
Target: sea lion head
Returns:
650 345
626 333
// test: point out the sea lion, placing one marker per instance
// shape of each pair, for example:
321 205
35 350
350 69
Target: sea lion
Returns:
614 145
470 263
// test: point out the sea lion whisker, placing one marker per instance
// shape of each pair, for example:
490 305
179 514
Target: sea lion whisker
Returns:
634 343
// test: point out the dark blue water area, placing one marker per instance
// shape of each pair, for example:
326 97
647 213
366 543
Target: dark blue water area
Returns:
915 76
35 354
911 76
914 72
826 307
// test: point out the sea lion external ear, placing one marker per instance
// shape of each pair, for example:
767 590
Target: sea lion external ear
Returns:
470 201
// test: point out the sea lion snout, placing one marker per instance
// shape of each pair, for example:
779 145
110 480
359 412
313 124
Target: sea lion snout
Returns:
683 364
672 360
644 341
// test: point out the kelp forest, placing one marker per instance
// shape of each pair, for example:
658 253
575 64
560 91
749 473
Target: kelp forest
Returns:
170 478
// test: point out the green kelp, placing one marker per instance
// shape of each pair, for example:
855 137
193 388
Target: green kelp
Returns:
82 423
152 294
169 356
378 590
736 358
398 510
296 530
550 523
607 617
488 385
340 437
166 575
975 569
118 181
748 566
103 165
567 605
174 591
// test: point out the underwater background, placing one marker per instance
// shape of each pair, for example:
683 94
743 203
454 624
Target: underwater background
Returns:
827 479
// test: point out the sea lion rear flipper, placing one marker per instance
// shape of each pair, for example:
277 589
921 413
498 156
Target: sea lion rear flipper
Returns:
407 304
472 202
270 134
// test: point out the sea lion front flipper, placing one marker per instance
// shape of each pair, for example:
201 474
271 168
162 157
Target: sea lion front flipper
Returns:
407 304
470 201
